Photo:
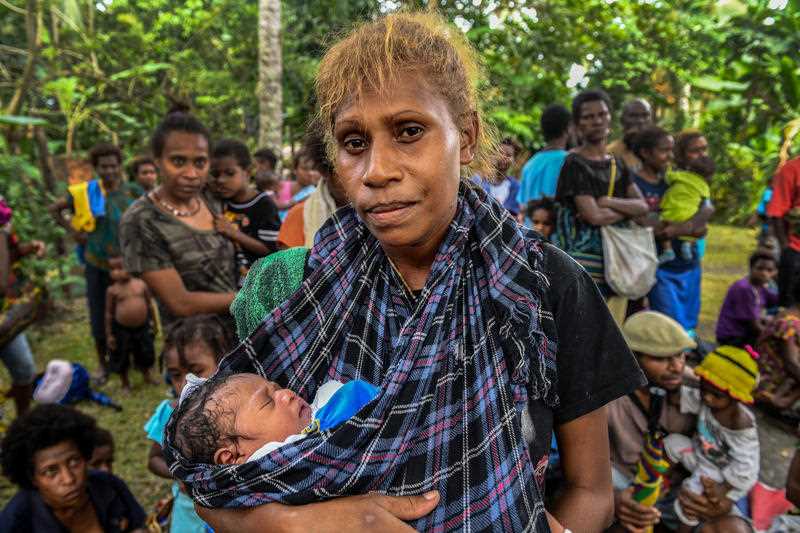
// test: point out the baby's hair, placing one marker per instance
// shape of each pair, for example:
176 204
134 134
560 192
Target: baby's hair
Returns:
702 165
589 95
178 119
116 262
542 203
376 54
202 425
762 256
208 329
104 149
647 139
232 148
555 121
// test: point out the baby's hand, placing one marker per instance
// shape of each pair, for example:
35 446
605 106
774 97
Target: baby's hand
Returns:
224 226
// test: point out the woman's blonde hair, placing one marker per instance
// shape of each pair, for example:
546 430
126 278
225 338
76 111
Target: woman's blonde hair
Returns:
373 56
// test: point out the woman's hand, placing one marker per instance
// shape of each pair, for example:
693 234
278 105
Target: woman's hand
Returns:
711 504
370 512
633 516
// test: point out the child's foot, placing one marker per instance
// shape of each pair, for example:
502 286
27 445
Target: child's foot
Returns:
126 391
666 256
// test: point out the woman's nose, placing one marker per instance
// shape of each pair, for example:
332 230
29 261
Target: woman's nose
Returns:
380 168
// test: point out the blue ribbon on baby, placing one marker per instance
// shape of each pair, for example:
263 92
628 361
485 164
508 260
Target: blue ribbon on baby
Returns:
345 403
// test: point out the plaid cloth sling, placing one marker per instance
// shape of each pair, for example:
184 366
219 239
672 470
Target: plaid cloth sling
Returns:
455 366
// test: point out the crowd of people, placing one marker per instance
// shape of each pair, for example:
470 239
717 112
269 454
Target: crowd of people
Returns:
404 333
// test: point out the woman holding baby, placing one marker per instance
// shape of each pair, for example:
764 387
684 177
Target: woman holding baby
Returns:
482 339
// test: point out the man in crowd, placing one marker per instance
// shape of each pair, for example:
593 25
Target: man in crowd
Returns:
636 114
784 213
660 345
97 207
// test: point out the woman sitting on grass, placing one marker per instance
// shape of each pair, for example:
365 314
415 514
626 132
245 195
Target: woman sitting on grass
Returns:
46 453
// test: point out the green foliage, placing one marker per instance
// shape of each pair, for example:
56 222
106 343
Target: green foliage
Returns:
112 69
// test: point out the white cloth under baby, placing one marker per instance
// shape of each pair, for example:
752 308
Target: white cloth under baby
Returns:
324 394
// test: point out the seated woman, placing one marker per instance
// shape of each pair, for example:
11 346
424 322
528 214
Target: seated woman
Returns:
779 362
46 454
482 339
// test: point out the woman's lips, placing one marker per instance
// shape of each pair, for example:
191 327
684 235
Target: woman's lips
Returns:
389 213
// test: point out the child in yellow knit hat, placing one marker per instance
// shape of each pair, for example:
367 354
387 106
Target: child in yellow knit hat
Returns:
725 446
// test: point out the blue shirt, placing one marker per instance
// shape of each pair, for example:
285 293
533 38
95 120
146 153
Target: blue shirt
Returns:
540 175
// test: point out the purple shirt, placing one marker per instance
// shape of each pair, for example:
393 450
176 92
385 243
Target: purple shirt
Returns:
743 304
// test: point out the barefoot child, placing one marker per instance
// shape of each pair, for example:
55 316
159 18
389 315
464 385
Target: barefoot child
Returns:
725 447
250 218
194 344
129 325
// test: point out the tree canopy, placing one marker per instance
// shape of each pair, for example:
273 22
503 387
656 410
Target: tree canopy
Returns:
85 71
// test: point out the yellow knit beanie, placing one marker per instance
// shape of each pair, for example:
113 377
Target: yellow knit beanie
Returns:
731 369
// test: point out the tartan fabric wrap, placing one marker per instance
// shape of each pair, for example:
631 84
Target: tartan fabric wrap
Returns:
455 368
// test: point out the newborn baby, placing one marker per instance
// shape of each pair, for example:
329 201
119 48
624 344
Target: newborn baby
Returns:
236 418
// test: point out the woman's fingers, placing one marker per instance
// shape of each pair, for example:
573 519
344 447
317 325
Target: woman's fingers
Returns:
408 507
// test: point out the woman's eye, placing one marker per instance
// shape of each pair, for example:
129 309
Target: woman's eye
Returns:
178 161
354 144
200 163
410 132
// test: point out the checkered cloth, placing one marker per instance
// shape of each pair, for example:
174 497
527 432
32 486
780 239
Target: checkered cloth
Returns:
456 365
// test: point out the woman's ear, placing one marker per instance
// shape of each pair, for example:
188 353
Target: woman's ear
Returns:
469 137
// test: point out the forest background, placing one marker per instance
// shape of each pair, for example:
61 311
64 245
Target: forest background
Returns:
74 72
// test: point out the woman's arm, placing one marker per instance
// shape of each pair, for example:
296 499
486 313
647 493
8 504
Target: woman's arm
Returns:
156 463
587 503
368 513
168 287
632 206
593 213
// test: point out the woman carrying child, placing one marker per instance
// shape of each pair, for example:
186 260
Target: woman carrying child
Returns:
677 289
168 237
193 345
432 292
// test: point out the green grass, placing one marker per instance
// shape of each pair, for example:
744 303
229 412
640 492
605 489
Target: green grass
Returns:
66 336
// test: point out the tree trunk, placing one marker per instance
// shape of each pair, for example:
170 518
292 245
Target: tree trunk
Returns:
32 20
270 74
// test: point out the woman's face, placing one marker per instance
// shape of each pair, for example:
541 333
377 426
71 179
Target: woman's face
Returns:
594 121
398 157
183 165
659 157
59 475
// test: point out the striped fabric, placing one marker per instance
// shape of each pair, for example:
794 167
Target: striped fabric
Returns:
455 365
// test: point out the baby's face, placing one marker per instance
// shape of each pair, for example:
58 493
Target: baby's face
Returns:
263 412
